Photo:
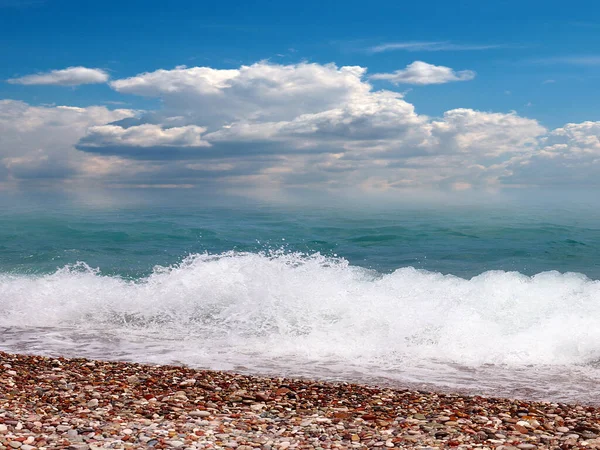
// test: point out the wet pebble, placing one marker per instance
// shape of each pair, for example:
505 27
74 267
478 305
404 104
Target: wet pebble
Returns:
62 403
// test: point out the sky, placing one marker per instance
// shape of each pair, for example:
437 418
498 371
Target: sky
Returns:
269 96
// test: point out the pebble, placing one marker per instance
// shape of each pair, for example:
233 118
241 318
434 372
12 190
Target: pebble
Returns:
145 407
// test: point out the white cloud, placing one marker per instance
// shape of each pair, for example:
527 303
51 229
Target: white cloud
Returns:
567 155
38 142
287 126
261 91
146 135
430 46
145 142
578 137
199 80
71 76
463 148
422 73
311 124
372 121
21 120
486 134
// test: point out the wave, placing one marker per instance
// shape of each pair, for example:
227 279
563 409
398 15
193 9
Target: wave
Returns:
285 305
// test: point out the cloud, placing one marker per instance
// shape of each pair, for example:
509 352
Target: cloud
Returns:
71 76
486 134
146 135
261 91
308 124
363 120
147 141
422 73
430 46
37 143
37 165
280 127
569 155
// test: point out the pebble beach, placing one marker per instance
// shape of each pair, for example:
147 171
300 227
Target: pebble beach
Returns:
80 404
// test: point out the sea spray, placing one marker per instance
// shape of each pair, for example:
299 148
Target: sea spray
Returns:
290 305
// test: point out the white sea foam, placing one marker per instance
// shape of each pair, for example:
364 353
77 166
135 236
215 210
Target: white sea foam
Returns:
311 315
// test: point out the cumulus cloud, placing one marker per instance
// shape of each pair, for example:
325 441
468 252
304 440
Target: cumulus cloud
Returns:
147 141
37 142
147 135
261 91
371 121
484 133
422 73
71 76
567 155
287 126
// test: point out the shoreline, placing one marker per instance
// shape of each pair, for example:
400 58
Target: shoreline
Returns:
83 404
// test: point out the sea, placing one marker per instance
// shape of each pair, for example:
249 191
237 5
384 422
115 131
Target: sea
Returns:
495 299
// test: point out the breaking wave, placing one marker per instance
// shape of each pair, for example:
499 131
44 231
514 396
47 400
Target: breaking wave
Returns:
238 306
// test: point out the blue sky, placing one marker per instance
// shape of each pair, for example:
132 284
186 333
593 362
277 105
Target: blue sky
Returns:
537 41
536 60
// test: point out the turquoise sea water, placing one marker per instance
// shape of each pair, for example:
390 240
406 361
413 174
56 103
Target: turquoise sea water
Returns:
494 299
462 241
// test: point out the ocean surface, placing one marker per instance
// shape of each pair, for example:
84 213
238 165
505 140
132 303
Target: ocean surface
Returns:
495 300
